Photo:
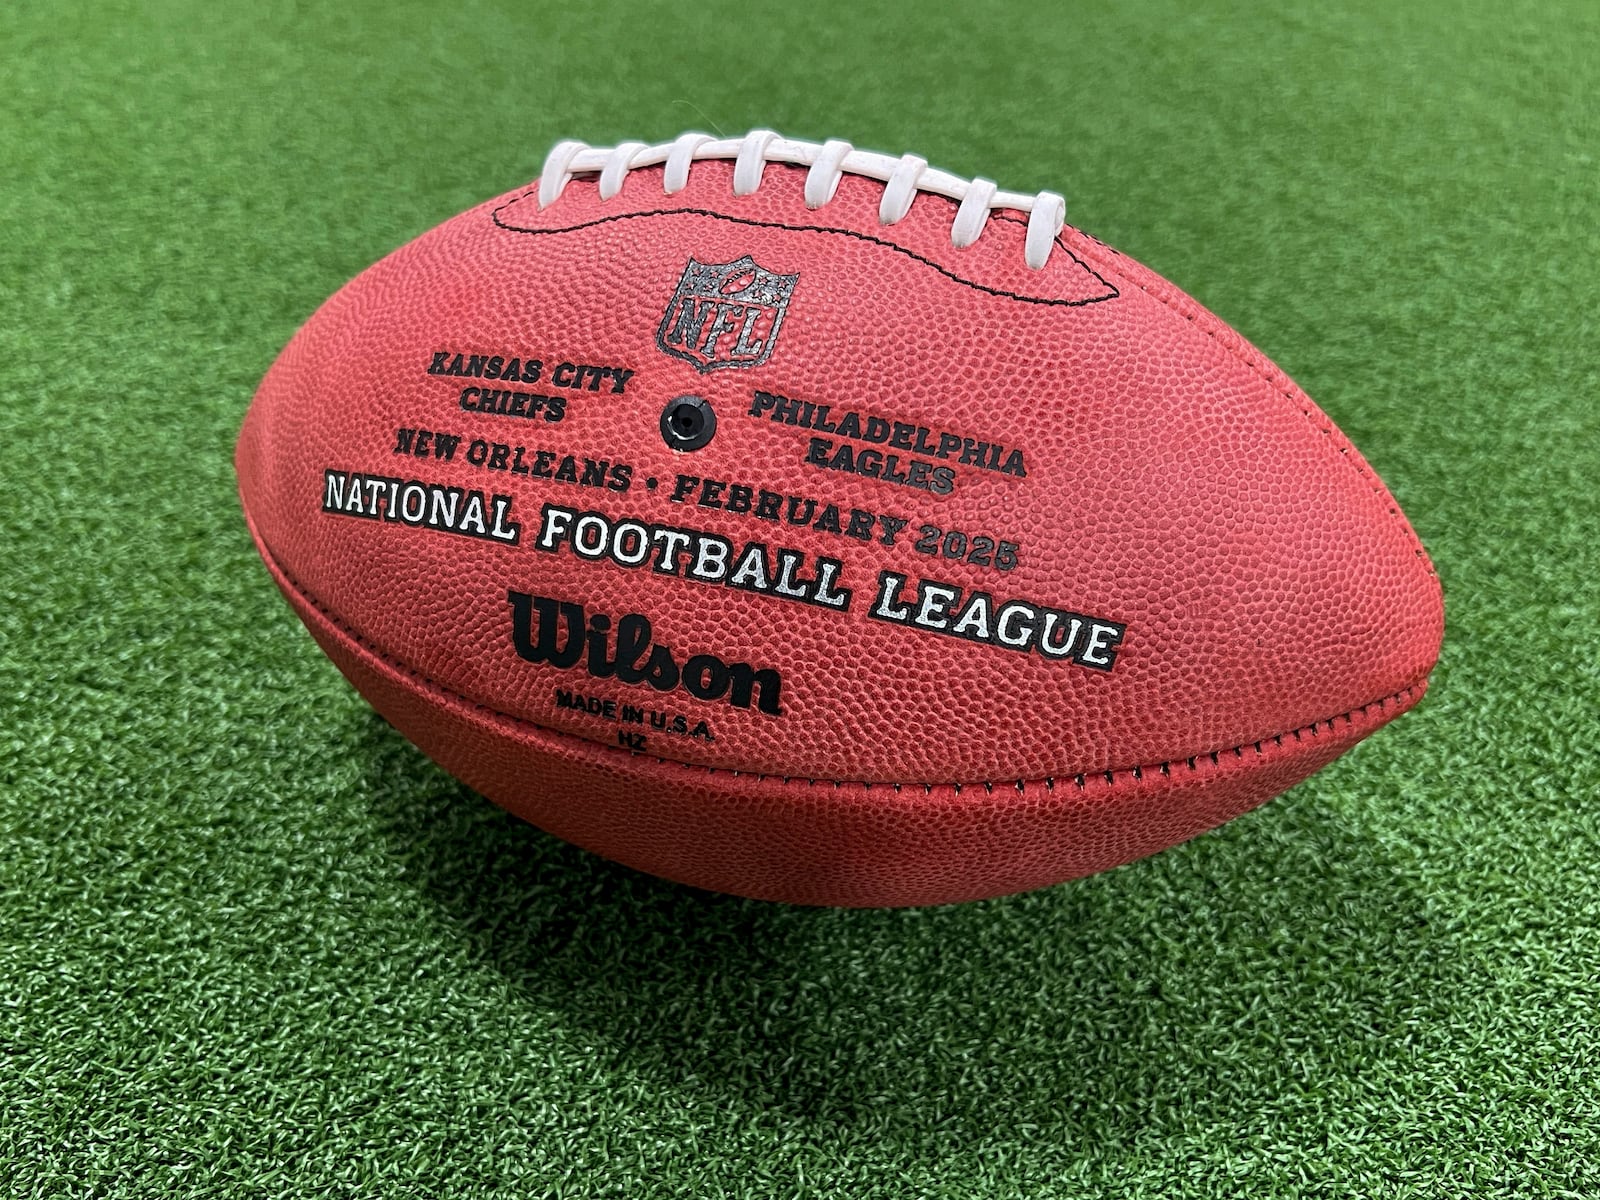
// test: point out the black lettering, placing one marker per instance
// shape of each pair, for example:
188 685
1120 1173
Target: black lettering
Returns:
786 410
600 664
744 681
545 648
633 648
661 672
705 677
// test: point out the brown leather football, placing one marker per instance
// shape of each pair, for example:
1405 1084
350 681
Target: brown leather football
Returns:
814 525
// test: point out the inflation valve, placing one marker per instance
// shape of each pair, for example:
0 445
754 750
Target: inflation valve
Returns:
688 422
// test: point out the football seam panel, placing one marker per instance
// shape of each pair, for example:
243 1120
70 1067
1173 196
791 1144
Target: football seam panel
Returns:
1111 292
1292 393
1194 763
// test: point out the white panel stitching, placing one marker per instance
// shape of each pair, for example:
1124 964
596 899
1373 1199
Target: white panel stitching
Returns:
905 176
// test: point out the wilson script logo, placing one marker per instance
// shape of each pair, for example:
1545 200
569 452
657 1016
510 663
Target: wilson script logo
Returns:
566 636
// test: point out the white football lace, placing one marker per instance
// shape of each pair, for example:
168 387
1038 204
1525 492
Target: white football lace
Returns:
902 177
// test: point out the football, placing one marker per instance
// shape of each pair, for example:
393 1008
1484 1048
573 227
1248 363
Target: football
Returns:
814 525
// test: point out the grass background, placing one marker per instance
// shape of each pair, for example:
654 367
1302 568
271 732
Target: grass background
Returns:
253 944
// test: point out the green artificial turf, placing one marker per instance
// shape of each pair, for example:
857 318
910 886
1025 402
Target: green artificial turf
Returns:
253 944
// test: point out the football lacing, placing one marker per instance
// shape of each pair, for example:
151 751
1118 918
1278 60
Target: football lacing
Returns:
829 161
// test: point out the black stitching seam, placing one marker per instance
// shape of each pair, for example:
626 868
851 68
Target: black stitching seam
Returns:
1111 294
1325 426
1049 781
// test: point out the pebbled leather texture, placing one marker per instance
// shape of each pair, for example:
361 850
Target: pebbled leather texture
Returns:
1274 605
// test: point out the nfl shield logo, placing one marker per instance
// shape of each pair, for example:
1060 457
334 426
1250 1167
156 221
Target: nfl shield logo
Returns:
725 314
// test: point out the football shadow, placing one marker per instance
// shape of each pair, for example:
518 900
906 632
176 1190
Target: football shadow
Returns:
1101 1009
